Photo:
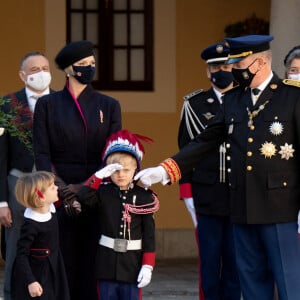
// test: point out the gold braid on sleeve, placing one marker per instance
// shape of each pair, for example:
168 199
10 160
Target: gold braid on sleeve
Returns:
172 169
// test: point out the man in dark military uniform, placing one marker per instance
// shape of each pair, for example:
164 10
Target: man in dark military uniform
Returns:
205 190
262 130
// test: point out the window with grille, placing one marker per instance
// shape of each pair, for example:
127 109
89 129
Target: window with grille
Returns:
122 32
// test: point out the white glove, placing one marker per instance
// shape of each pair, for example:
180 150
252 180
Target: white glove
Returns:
145 275
189 203
152 175
299 222
108 170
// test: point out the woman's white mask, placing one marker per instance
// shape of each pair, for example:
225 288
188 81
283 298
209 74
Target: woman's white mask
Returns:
294 76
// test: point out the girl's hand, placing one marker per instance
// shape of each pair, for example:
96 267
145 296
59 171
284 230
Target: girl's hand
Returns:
35 289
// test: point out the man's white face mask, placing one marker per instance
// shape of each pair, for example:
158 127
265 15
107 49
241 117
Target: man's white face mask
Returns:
39 81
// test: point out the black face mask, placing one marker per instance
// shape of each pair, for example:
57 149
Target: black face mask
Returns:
221 79
84 74
243 76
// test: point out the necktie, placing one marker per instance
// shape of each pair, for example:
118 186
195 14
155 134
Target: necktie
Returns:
33 102
255 94
35 97
255 91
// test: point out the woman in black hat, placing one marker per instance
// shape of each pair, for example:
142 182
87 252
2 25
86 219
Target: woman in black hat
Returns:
70 130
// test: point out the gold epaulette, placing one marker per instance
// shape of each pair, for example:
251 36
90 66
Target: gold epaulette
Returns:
192 94
291 82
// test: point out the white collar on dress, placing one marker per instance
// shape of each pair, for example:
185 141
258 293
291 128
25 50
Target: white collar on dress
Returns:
39 217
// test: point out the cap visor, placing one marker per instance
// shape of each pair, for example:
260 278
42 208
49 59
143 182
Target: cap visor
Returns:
234 60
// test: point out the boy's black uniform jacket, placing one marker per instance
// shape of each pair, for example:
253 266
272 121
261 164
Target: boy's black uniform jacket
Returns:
110 200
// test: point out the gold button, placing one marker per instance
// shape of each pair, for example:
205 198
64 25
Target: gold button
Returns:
228 170
249 168
285 184
252 127
275 118
249 153
250 140
227 146
228 158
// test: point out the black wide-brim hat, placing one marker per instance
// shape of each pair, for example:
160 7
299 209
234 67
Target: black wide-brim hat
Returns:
73 52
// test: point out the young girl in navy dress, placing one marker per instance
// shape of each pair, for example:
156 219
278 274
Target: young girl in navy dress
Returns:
38 269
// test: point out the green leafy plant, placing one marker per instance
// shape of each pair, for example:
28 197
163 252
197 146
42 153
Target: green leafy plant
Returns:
252 25
16 119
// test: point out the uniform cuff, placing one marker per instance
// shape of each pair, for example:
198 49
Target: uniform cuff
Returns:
149 258
172 169
93 182
185 190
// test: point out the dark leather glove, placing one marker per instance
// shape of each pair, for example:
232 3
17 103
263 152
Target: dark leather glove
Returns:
67 194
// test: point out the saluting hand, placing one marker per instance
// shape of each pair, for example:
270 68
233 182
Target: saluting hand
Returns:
108 170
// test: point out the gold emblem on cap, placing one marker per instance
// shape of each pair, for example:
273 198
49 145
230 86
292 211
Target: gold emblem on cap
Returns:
273 86
286 151
268 149
219 48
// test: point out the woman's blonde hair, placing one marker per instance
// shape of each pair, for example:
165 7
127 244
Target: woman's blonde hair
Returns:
30 188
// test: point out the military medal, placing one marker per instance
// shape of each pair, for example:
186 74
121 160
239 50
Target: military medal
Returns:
286 151
268 149
255 113
276 128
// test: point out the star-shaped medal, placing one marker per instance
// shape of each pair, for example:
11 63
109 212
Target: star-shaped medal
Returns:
286 151
276 128
268 149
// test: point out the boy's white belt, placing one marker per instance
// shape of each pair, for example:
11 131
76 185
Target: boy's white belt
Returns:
120 245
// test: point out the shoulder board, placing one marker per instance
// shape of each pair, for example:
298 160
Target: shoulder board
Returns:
291 82
192 94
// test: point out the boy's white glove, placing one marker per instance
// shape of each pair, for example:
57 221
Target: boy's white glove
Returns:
108 170
152 175
189 203
145 275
